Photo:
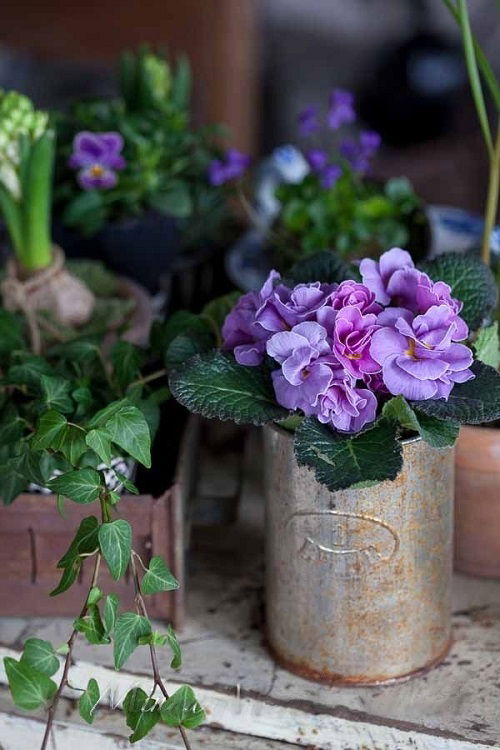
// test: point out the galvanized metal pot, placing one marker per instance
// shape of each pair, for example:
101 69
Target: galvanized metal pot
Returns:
358 581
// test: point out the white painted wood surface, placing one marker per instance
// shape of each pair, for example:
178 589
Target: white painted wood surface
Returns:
454 707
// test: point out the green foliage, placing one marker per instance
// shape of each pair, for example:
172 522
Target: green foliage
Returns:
89 700
82 485
355 218
158 578
437 432
214 385
473 402
471 282
141 713
40 655
166 157
29 688
129 628
115 540
339 461
487 346
182 709
110 613
91 626
327 266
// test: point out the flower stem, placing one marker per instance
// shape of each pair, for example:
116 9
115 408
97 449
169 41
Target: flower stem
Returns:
492 199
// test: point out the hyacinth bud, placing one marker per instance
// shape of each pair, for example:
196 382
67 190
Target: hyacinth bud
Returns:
17 117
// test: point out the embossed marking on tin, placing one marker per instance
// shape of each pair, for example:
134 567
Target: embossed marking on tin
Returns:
356 542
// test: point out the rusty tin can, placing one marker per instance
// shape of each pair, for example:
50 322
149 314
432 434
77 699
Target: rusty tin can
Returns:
358 582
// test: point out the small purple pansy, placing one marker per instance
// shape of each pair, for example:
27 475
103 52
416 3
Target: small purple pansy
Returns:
98 157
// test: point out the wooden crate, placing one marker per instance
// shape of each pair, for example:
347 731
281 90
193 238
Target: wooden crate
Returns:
33 537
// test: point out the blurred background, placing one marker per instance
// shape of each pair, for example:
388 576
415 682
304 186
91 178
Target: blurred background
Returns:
257 62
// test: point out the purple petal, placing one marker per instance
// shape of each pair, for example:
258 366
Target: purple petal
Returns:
423 369
294 366
282 345
386 343
250 355
393 260
401 383
97 177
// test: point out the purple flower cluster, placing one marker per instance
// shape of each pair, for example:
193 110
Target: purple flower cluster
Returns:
359 153
231 167
98 157
342 347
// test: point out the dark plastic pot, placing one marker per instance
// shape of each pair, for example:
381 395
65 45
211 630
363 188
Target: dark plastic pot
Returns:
142 248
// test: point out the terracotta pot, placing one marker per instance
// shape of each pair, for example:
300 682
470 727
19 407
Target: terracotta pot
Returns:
358 582
477 502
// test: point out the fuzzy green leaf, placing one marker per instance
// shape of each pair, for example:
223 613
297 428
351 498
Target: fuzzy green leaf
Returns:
182 709
129 628
40 655
339 461
30 689
487 346
473 402
326 266
435 432
82 485
216 386
89 700
471 282
115 539
158 577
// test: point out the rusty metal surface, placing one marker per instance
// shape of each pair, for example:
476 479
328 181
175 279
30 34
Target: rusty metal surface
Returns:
358 581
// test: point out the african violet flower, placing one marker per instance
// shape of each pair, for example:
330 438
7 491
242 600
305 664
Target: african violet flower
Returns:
233 166
341 109
98 157
419 357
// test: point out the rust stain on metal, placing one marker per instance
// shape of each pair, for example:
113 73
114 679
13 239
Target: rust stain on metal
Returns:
358 581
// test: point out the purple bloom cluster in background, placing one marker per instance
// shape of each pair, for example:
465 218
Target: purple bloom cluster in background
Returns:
340 109
359 153
98 157
231 167
341 347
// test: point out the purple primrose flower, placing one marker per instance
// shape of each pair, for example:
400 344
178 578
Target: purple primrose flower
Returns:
233 166
419 357
376 276
352 337
353 294
98 157
285 307
341 109
346 407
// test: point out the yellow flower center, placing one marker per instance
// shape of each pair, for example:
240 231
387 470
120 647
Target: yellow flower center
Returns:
411 349
96 170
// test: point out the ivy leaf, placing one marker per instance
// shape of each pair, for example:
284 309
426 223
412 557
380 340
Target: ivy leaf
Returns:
81 485
339 461
487 346
95 595
326 266
69 576
473 402
109 613
129 486
216 386
141 713
89 700
127 361
158 577
30 689
129 628
11 332
100 443
56 392
86 540
40 655
182 709
172 641
12 479
92 626
115 540
435 432
471 281
51 428
72 444
128 429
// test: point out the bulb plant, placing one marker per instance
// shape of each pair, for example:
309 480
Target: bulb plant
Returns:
64 418
122 157
333 202
351 360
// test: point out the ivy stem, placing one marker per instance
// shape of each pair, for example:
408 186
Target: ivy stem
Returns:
68 660
141 609
148 378
492 199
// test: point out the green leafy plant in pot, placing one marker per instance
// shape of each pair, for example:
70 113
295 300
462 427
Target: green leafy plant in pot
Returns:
477 545
36 279
65 419
362 376
131 181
